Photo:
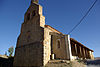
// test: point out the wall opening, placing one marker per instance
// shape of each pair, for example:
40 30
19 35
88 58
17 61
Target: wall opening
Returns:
33 13
28 16
28 36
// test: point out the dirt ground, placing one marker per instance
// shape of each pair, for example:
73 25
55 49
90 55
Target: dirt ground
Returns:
64 63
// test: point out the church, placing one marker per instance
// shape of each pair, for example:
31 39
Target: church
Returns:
39 43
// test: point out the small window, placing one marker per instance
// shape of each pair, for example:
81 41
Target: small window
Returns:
58 43
28 38
28 16
34 13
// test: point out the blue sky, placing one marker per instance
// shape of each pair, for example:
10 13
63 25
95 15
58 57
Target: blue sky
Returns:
60 14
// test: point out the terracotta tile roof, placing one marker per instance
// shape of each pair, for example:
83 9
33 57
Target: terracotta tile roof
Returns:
80 44
51 28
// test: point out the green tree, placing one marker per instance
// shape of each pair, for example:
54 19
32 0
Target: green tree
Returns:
10 51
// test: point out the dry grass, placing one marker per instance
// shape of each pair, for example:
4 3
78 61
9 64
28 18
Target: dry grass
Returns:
78 64
61 63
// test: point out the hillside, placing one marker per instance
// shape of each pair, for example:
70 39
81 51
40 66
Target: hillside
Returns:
97 58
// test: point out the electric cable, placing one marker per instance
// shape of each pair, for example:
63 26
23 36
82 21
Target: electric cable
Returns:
83 17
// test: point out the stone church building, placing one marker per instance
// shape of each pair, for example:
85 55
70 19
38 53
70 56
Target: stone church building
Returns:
38 43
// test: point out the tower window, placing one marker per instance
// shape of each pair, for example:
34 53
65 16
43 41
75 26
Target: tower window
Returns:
28 16
34 13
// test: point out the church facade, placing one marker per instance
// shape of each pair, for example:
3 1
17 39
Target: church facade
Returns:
38 43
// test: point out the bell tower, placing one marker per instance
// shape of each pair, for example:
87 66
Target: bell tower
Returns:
29 47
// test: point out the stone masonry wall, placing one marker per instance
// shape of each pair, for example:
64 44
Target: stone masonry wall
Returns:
60 52
29 55
47 45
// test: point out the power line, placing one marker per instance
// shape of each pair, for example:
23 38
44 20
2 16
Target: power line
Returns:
83 17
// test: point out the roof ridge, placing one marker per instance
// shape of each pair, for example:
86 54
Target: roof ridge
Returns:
52 28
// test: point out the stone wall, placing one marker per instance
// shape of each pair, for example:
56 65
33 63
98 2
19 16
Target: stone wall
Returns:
59 49
47 45
29 55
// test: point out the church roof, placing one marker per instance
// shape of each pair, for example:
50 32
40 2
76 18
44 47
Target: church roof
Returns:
73 40
51 28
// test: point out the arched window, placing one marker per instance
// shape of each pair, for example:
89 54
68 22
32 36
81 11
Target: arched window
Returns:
28 16
58 43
